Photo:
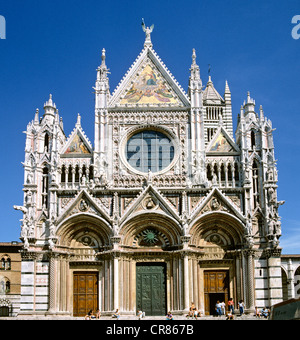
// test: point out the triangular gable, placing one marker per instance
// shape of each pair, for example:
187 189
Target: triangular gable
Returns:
150 200
216 201
77 145
83 203
222 143
148 83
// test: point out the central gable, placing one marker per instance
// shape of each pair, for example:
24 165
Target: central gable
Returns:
149 87
148 83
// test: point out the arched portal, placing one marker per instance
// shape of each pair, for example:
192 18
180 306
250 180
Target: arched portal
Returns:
151 275
78 282
217 271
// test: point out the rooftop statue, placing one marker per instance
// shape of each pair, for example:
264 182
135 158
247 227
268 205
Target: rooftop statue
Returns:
148 31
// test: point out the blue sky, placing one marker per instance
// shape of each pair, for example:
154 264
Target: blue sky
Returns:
55 47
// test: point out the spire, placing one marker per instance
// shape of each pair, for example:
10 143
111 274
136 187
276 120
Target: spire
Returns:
103 57
227 94
195 70
36 117
102 69
262 117
227 89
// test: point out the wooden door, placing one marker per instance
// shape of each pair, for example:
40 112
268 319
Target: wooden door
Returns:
216 287
85 292
151 289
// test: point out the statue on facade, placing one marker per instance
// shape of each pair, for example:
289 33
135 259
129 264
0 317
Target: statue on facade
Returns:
148 31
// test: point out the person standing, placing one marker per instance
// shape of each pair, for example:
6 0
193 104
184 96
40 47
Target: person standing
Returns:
241 307
231 305
218 308
223 307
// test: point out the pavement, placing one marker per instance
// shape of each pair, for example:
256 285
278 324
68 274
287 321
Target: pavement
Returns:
131 318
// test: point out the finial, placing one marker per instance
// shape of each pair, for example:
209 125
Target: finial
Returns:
78 124
261 112
194 56
148 32
36 116
103 57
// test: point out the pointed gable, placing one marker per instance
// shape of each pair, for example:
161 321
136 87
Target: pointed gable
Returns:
83 203
222 143
150 200
148 83
149 87
216 201
78 144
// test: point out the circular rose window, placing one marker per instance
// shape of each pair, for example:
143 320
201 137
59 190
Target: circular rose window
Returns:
149 150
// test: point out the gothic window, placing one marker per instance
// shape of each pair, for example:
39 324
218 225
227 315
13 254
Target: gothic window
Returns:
260 226
70 174
255 183
216 170
84 171
4 285
77 174
46 142
229 172
209 172
5 263
91 173
223 178
63 174
236 172
45 187
252 139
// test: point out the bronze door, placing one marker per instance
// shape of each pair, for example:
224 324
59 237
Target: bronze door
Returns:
151 289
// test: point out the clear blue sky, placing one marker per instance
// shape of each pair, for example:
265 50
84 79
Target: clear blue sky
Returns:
55 47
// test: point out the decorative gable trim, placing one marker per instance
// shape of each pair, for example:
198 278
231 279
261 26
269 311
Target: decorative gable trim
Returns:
150 200
78 144
83 203
222 143
216 201
149 57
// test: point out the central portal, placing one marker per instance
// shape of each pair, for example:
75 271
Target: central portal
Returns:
151 288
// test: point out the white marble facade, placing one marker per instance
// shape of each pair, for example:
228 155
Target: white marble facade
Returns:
166 181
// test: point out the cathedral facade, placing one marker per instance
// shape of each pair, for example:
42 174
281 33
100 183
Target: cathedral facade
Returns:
168 207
